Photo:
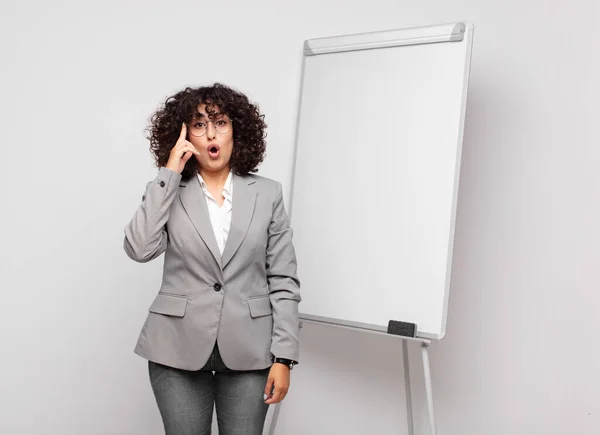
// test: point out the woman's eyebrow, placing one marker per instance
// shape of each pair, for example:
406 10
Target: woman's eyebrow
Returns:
202 115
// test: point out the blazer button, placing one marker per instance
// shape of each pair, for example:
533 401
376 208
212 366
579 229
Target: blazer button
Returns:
217 287
162 184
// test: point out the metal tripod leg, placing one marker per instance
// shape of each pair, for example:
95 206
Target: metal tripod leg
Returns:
277 406
274 419
409 411
428 388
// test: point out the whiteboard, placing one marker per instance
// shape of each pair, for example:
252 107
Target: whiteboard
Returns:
375 175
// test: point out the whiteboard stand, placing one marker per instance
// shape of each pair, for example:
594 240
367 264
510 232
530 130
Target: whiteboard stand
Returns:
409 411
425 342
428 387
417 79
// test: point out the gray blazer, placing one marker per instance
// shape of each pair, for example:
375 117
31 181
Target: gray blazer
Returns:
246 300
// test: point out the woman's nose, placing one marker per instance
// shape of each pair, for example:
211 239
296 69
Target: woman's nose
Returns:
210 130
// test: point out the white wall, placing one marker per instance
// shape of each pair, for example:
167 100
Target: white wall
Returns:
78 82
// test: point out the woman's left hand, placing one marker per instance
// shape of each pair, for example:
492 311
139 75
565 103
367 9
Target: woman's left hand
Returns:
278 383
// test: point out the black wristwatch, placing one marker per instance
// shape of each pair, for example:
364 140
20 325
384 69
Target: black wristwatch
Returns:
288 362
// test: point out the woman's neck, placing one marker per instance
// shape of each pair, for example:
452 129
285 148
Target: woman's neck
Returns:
215 179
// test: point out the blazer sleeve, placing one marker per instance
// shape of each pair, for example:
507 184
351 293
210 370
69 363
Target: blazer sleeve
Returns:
284 286
146 235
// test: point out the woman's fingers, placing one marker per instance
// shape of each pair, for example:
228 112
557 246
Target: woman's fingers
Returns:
183 133
181 152
193 149
186 156
269 387
187 146
278 395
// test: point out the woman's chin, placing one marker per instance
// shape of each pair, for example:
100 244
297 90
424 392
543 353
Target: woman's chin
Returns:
214 165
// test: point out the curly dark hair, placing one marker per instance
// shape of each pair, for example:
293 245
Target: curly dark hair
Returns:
249 146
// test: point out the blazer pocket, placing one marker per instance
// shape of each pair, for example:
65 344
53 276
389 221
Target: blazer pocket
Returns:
169 305
260 306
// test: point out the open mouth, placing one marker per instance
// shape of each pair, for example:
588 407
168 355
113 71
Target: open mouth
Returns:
213 151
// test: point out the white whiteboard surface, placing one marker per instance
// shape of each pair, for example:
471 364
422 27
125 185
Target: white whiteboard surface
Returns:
376 176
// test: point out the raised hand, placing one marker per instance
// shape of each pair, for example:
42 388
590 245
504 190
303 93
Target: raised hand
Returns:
181 152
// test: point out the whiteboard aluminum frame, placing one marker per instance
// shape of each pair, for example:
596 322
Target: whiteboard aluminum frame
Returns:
383 39
453 32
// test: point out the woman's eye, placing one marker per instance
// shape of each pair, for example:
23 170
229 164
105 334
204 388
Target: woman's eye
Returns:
221 122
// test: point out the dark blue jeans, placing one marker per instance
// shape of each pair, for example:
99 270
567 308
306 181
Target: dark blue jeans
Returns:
185 399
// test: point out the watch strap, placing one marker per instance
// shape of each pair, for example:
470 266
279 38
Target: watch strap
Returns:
288 362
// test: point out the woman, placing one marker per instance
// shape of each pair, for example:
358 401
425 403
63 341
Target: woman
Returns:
223 328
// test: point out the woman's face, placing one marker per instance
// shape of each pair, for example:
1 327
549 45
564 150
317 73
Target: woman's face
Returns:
213 138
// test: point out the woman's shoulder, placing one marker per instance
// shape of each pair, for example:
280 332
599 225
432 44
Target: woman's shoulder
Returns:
263 183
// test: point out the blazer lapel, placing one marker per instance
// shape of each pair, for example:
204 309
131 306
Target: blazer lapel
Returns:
194 203
244 200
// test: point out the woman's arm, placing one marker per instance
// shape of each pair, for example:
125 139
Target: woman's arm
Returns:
284 286
146 235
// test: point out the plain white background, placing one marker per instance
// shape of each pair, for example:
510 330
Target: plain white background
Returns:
78 81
